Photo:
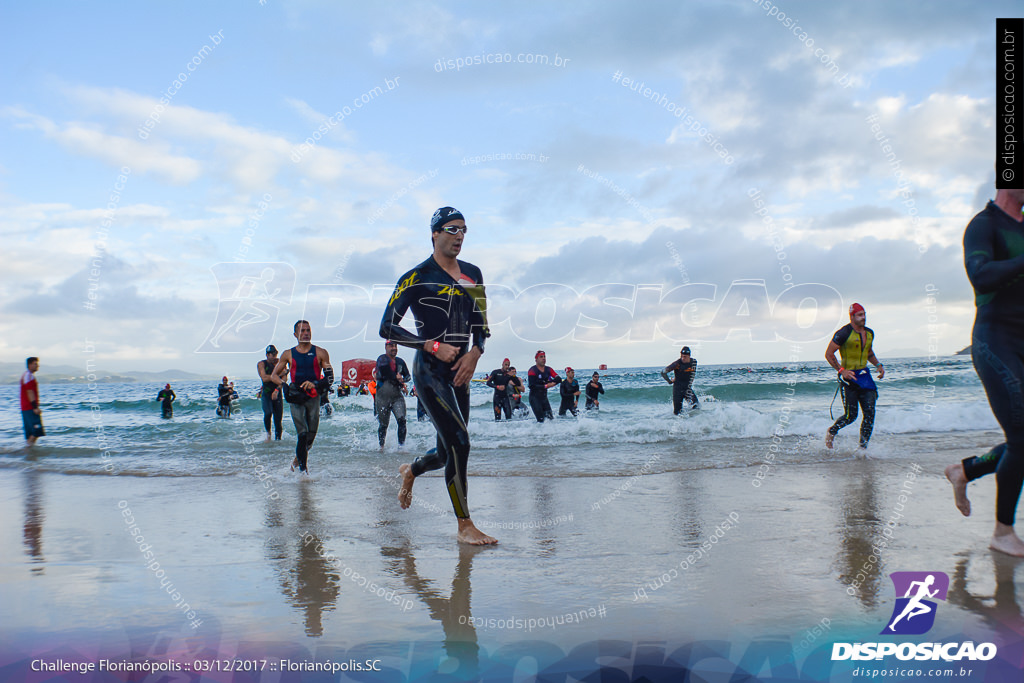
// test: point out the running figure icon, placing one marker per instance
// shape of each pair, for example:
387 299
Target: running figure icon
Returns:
915 607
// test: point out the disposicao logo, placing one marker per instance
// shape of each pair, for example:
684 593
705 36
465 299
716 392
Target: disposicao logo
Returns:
914 614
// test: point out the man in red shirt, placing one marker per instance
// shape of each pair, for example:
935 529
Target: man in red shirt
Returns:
31 414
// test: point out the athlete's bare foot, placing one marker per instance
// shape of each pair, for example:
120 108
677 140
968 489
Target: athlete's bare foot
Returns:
267 440
828 439
1005 540
956 476
295 463
405 492
468 533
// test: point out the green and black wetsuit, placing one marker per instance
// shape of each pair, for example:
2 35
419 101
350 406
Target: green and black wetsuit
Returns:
453 313
166 397
994 259
854 351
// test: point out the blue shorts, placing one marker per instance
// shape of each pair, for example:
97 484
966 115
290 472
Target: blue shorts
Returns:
33 424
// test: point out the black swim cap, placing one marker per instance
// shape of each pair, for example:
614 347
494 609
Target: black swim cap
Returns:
445 214
271 349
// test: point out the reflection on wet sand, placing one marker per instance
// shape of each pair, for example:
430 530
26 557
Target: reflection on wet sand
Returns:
312 586
32 534
1000 610
860 552
460 638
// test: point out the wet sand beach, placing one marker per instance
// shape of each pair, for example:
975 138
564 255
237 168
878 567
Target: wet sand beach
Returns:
676 556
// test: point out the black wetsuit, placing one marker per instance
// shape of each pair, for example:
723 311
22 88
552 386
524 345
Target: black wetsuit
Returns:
516 397
453 313
682 384
994 258
305 409
272 407
854 351
592 392
389 398
568 390
501 402
539 392
224 400
166 397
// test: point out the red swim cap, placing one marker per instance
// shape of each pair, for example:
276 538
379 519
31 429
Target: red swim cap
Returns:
538 354
856 308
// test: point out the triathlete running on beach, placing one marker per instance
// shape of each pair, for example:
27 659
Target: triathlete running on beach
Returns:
853 342
311 373
446 296
270 394
994 259
390 398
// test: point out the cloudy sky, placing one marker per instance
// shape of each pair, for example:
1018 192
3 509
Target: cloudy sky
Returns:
180 182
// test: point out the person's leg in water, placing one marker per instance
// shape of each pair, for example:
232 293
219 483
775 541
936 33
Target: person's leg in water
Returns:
398 408
677 399
1000 367
383 418
448 408
268 411
299 422
850 400
306 416
565 405
691 397
537 405
313 422
278 415
546 404
867 400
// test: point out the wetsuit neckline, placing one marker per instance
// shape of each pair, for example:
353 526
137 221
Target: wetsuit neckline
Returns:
1016 219
442 269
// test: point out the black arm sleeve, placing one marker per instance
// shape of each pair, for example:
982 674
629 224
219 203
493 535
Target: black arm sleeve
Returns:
985 273
398 304
490 380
